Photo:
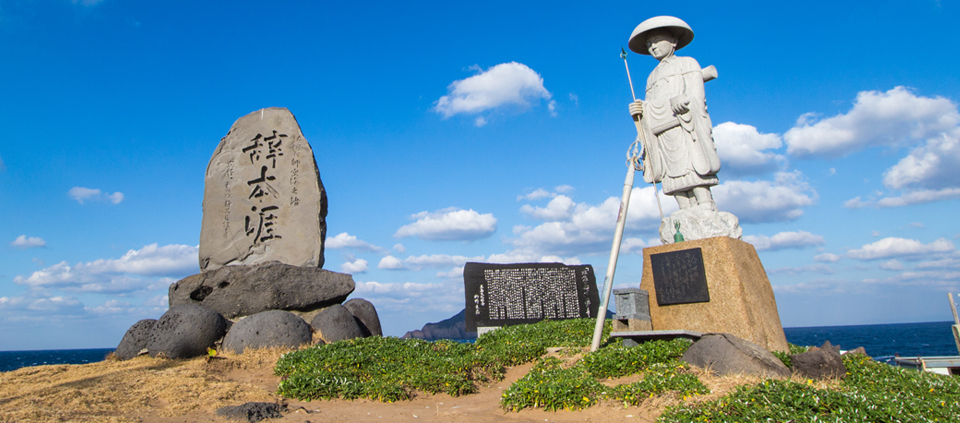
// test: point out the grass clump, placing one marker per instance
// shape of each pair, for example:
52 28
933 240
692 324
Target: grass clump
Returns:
525 343
871 392
392 369
550 386
619 361
659 378
384 369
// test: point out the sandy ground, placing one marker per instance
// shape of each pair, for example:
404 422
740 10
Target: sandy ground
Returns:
152 390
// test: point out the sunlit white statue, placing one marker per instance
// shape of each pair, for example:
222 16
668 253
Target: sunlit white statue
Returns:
679 151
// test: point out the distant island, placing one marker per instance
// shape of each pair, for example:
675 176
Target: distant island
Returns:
452 328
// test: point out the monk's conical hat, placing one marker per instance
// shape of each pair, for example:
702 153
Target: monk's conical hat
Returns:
638 40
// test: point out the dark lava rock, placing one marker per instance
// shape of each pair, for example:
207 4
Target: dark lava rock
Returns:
252 411
245 290
274 328
186 331
452 328
857 350
820 363
724 354
366 314
335 323
135 339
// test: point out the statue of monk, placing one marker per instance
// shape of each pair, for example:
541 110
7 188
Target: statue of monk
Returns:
679 150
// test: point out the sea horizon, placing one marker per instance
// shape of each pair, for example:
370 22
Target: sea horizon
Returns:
882 341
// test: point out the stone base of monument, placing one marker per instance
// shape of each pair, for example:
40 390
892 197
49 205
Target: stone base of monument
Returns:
269 305
713 285
700 222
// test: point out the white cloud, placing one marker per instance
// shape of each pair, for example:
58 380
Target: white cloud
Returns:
563 189
827 258
456 272
34 307
895 117
908 199
813 268
438 260
741 149
82 194
23 242
480 122
399 248
784 240
410 297
112 275
560 208
892 264
552 107
934 165
504 84
345 240
571 229
899 247
390 263
766 201
536 195
450 225
575 99
355 266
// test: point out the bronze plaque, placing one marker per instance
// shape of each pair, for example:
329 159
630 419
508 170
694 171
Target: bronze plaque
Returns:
679 277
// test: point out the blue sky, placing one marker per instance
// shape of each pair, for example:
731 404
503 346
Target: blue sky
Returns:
447 133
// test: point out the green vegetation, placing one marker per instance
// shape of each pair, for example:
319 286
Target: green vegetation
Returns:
871 392
548 385
785 357
391 369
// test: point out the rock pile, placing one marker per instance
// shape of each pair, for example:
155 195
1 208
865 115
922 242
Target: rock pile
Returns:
261 253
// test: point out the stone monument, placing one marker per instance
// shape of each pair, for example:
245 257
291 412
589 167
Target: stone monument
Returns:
263 199
519 293
705 279
678 150
261 255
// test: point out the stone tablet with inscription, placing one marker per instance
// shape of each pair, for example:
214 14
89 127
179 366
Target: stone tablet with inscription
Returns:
513 294
679 278
263 199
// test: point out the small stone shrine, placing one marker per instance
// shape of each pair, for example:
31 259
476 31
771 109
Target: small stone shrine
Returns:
500 295
263 199
705 279
261 253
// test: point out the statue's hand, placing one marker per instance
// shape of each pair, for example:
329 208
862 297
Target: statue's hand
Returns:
636 108
679 104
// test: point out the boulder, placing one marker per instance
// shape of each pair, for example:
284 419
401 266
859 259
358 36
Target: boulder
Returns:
700 222
366 315
335 323
274 328
724 354
135 340
235 291
819 363
186 331
857 350
252 412
262 196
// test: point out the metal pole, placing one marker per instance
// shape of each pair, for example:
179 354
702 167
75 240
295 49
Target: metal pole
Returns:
614 254
640 133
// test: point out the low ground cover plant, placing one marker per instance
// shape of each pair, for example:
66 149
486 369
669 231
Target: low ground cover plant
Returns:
871 392
391 369
550 386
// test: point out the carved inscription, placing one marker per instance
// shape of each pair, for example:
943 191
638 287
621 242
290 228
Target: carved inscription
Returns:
261 223
679 277
263 199
510 294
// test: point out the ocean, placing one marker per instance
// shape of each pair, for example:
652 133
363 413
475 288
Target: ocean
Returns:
882 342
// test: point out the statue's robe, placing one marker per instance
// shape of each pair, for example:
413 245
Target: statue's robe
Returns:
683 157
